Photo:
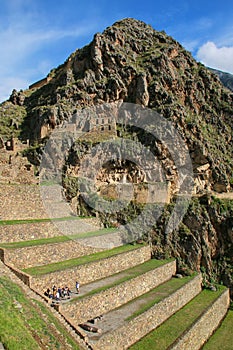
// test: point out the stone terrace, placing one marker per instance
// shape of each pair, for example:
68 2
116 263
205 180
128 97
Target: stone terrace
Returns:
24 202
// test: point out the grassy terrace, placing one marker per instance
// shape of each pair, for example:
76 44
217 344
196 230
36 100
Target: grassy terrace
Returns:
58 239
222 338
62 265
34 221
128 275
165 335
27 325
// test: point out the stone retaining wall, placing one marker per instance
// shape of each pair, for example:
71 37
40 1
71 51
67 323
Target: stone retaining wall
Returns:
92 271
1 254
200 331
137 328
44 254
25 278
38 230
21 202
81 310
27 232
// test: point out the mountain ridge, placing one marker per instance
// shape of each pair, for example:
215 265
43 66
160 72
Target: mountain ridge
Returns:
225 78
133 63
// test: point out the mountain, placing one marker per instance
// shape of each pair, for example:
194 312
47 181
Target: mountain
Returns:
133 63
225 78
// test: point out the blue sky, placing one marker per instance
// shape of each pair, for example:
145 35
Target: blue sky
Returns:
38 35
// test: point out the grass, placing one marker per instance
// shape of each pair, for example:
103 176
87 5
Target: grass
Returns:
165 335
24 326
130 274
58 326
222 338
71 263
57 239
33 221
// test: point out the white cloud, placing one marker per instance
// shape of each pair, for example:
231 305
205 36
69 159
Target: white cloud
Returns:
216 57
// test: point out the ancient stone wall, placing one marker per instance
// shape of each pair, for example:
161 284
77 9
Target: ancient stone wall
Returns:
21 275
200 331
46 229
45 254
101 303
138 327
157 192
27 232
40 83
92 271
21 202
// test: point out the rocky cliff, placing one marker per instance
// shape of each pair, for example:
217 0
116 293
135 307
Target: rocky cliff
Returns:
225 78
132 62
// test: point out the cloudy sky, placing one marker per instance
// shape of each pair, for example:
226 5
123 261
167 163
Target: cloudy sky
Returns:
38 35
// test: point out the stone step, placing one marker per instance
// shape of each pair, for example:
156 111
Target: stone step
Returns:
26 257
141 280
110 240
88 269
203 328
135 329
222 338
191 326
117 317
26 231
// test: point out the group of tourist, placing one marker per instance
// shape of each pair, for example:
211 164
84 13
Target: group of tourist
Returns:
60 293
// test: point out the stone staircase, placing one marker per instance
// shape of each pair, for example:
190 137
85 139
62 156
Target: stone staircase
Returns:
116 287
133 330
91 271
124 292
87 307
191 326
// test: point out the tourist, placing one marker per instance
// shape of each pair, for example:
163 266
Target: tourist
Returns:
67 291
60 292
48 294
57 296
77 287
54 289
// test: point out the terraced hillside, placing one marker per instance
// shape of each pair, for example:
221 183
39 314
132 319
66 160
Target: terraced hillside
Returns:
156 292
126 299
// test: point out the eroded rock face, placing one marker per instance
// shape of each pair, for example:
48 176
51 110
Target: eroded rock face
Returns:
132 62
17 98
203 240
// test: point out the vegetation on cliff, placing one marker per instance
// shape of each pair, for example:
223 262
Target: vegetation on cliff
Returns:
132 62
